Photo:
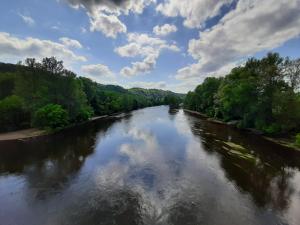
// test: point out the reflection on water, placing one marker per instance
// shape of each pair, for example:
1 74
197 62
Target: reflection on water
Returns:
155 166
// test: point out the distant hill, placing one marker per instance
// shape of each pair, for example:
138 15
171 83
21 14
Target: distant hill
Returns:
44 94
156 94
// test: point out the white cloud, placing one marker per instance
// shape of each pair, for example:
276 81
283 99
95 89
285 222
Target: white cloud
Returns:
14 48
113 6
149 48
194 71
27 19
70 42
109 25
145 66
164 30
252 27
129 50
185 86
99 72
104 14
195 12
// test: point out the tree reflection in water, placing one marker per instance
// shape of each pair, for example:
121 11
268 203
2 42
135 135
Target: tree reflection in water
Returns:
158 166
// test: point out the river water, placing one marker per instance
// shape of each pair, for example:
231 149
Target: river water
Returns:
152 166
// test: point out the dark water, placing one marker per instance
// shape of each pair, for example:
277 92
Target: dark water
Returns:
153 166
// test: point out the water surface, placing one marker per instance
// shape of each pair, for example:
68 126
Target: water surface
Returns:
153 166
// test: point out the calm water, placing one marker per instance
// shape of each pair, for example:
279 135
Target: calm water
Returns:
153 166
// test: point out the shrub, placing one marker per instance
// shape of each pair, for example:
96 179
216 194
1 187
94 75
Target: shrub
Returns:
272 129
51 117
84 114
298 140
12 114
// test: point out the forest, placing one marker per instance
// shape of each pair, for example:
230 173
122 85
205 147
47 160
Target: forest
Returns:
48 96
262 94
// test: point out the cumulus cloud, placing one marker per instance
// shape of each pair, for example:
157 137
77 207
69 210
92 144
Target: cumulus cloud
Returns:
112 6
145 66
27 19
194 12
99 72
15 48
164 30
194 71
104 14
145 46
109 25
253 26
70 42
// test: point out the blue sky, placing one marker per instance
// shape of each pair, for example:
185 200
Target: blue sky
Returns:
168 44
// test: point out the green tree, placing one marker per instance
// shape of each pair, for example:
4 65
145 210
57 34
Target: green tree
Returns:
172 100
297 142
12 113
262 94
51 117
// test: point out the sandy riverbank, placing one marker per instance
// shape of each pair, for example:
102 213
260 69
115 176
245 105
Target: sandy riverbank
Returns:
34 132
21 134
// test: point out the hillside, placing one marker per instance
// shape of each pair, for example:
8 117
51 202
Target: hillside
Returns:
46 95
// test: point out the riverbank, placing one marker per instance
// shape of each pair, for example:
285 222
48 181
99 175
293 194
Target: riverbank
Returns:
284 142
21 134
30 133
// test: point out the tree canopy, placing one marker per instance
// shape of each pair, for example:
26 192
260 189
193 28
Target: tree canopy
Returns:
262 94
32 92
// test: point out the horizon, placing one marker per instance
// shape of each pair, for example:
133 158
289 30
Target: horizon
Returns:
135 43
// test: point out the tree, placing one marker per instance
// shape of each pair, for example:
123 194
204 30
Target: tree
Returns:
30 62
291 69
7 84
262 94
172 101
51 117
48 83
297 142
12 113
52 65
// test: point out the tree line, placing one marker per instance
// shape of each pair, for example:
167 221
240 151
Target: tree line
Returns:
48 96
262 94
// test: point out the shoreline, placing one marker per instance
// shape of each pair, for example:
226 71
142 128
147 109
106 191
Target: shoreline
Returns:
32 133
277 141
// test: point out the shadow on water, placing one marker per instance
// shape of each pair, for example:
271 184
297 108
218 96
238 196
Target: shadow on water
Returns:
266 171
153 166
74 144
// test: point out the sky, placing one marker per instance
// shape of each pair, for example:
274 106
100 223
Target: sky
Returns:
165 44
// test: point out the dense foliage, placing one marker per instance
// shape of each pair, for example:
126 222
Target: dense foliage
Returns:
12 113
51 117
297 140
263 94
32 93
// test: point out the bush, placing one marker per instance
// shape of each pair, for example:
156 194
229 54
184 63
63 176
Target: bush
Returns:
84 114
51 117
298 140
272 129
12 114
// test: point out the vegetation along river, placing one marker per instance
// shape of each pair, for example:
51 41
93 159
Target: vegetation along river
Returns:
153 166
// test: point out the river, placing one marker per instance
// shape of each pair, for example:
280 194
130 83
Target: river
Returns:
152 166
